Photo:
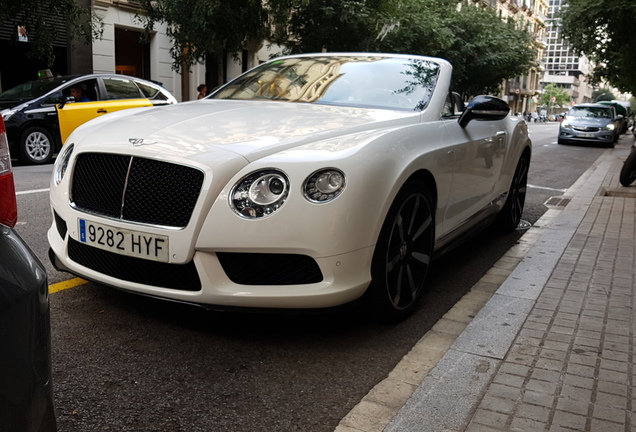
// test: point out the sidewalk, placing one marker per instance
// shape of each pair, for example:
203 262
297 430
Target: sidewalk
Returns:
551 347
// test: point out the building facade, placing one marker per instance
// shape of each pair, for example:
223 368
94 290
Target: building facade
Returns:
522 93
121 49
562 65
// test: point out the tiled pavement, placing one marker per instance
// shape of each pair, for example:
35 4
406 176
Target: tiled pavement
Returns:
551 350
570 366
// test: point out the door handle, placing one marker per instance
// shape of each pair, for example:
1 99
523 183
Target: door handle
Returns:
499 133
102 111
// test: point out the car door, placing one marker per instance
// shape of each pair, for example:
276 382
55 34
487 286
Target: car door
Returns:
115 93
479 150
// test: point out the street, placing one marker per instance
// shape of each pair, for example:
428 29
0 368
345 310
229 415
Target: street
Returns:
129 363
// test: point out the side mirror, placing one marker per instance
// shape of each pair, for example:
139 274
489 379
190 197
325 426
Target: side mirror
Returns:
66 100
620 117
484 108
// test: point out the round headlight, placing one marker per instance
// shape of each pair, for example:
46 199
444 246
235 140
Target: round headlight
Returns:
259 194
267 189
324 185
61 164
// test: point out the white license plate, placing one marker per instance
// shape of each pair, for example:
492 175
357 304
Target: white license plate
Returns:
124 242
586 135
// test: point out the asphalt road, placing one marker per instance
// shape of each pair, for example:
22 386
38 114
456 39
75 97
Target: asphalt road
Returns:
128 363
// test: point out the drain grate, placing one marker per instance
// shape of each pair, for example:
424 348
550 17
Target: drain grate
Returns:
557 201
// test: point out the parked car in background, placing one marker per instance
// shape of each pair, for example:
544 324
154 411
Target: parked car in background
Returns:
621 114
590 123
32 111
26 397
308 182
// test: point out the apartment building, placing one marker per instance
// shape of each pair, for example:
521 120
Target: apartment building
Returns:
522 93
561 64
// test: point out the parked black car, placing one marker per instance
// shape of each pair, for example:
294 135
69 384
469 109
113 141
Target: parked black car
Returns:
30 110
26 397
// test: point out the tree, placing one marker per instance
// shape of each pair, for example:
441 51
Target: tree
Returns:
602 95
205 27
35 16
554 96
483 49
486 50
361 25
602 30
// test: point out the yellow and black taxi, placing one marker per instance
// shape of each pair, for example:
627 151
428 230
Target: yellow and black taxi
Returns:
40 114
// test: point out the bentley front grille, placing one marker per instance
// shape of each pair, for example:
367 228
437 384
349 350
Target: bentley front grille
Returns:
135 189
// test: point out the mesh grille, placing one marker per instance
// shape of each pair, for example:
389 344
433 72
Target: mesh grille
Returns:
270 269
175 276
60 225
135 189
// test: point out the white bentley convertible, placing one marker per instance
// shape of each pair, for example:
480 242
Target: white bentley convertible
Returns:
310 181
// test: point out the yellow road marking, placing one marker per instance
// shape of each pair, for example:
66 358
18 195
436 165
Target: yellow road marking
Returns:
66 285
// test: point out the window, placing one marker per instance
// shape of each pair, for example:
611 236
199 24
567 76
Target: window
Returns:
120 88
148 91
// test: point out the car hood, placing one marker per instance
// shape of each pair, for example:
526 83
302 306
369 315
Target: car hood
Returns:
251 129
9 104
588 121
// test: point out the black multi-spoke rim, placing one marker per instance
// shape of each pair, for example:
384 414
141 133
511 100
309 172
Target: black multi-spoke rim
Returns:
518 191
409 251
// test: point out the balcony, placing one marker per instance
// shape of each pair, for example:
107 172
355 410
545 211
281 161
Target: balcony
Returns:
513 5
541 17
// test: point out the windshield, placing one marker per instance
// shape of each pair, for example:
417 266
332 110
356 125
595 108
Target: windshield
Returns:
594 112
32 89
360 81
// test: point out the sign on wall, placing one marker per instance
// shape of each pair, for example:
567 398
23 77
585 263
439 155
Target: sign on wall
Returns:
22 34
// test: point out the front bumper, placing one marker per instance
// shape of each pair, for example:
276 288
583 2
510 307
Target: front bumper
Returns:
571 135
215 279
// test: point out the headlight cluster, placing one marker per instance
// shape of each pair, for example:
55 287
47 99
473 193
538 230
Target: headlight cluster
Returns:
260 193
324 185
61 163
609 127
6 113
263 192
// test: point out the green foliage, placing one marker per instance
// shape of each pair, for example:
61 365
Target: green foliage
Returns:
486 50
562 98
602 30
602 95
199 27
36 15
483 49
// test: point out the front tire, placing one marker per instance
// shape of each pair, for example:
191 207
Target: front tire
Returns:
402 255
36 146
510 215
628 172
